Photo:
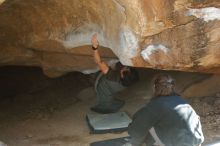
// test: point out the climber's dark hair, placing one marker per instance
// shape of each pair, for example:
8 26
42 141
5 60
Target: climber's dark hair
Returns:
130 77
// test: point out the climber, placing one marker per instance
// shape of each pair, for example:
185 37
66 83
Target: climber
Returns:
110 81
167 120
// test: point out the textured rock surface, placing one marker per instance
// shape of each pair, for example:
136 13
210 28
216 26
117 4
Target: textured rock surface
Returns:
54 34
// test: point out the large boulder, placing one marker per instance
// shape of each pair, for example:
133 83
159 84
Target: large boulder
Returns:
163 34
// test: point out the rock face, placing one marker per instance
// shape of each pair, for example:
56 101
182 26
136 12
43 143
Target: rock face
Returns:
163 34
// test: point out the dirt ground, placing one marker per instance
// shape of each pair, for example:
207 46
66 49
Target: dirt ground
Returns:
51 112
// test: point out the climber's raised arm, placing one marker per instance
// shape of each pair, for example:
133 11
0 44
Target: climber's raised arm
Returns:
102 65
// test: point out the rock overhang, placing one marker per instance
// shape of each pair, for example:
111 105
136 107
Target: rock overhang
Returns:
55 35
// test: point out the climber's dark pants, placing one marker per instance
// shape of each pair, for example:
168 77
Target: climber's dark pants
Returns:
105 92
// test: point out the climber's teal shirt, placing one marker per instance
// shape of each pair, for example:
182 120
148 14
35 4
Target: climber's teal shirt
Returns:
174 120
